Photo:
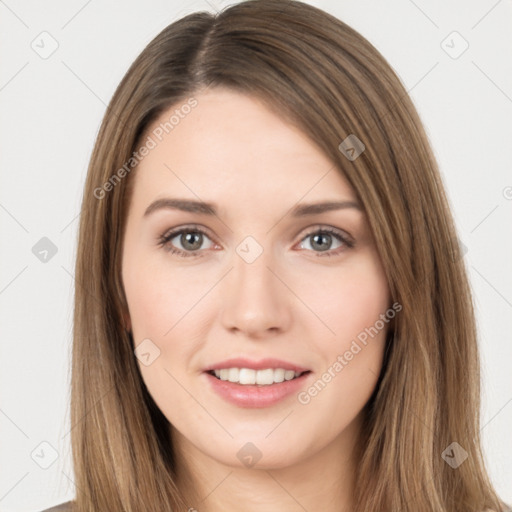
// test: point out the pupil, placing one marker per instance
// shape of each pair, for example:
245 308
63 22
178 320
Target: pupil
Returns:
321 237
188 238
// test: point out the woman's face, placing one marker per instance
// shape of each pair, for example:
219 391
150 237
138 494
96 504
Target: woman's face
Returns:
256 278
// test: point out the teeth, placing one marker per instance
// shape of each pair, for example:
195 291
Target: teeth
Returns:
232 374
247 376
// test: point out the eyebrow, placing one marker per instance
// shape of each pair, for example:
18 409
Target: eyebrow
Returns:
200 207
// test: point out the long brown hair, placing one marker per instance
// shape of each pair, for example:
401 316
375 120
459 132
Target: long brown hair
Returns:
324 77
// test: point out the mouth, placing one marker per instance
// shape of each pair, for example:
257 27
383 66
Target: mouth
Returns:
247 383
251 377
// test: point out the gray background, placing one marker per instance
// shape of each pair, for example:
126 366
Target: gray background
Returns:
51 109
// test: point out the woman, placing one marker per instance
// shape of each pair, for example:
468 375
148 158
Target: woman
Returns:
271 307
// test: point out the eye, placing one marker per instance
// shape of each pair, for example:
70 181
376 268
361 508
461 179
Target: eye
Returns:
321 241
190 238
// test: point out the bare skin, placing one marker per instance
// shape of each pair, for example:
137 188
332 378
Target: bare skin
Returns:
293 302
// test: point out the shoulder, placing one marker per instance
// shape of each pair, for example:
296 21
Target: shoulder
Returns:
63 507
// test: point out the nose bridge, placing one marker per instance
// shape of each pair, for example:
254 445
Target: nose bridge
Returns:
251 271
254 299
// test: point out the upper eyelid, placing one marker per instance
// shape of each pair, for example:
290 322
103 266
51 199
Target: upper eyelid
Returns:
187 228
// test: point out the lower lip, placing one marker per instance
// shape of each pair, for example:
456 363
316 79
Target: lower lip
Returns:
256 396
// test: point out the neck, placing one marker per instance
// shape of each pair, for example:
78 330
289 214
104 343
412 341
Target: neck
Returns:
322 481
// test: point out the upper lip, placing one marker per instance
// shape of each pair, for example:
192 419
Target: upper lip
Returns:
262 364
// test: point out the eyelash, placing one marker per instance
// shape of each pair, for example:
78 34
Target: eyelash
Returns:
164 241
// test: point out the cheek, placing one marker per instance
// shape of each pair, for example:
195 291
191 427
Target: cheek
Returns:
165 307
158 297
355 305
350 300
351 364
359 310
337 396
161 307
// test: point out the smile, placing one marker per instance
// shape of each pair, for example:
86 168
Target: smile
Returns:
248 376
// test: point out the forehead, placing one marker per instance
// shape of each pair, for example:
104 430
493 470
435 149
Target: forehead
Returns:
231 144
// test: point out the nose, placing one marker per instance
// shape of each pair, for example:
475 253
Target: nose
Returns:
254 299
